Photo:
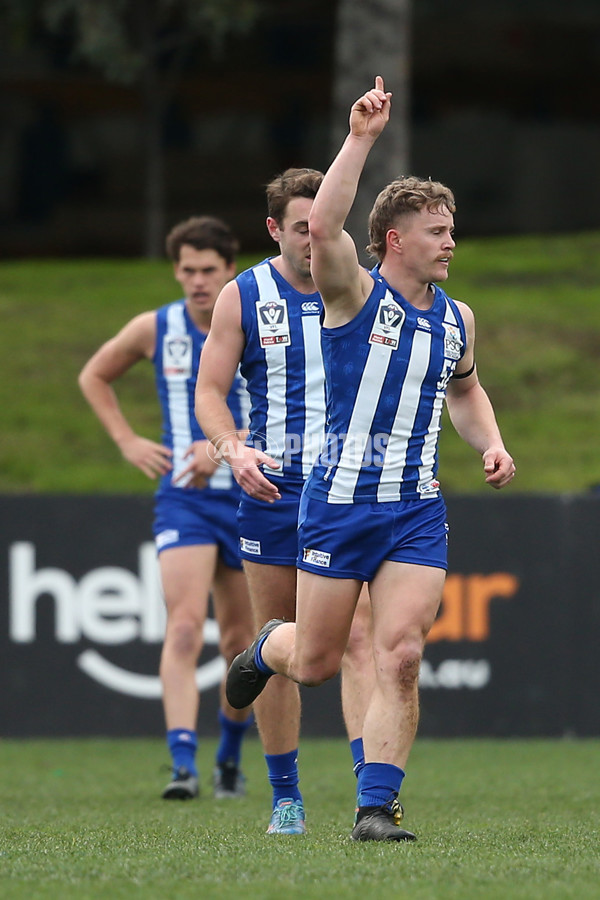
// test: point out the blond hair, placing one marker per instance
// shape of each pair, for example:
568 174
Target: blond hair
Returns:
402 197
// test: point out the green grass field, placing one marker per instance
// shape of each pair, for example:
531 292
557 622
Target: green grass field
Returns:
495 820
537 305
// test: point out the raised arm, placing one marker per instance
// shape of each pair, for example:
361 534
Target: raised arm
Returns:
343 283
134 342
220 358
472 414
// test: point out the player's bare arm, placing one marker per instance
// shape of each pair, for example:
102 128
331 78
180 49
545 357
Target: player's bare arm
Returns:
473 416
220 359
344 285
134 342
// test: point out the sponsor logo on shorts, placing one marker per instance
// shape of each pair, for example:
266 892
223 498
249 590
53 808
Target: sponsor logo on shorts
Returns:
170 536
316 557
250 546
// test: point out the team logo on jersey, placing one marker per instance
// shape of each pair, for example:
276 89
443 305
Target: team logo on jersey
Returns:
177 356
273 324
452 341
310 306
424 324
387 324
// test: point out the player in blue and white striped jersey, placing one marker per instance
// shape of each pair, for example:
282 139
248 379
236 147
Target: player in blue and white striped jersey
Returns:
395 348
283 367
195 523
267 321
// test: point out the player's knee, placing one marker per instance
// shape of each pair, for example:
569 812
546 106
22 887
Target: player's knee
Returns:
398 666
408 664
313 672
184 637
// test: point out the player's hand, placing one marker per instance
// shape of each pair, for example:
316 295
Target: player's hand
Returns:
203 464
498 466
245 462
371 112
151 458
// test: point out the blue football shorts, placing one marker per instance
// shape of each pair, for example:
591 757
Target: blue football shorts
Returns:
186 518
351 540
269 531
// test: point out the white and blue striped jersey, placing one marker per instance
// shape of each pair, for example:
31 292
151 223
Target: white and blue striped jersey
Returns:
386 373
176 359
283 368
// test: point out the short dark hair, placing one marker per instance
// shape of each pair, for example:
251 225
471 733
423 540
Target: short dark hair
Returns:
203 233
291 183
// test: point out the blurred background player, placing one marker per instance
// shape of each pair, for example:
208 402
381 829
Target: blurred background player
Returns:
267 320
196 502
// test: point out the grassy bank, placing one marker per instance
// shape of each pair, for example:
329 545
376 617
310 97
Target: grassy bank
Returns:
537 305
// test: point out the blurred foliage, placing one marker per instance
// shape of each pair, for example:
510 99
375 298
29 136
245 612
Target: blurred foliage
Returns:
123 38
145 44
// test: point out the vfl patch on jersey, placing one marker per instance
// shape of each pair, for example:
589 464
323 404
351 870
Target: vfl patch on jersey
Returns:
170 536
452 341
250 546
316 557
177 356
273 323
387 324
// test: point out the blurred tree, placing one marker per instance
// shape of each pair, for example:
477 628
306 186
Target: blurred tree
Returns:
372 37
142 43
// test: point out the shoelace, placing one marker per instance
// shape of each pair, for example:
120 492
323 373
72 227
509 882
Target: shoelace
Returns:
288 815
394 808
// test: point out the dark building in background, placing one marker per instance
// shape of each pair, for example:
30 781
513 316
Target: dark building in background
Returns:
505 109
